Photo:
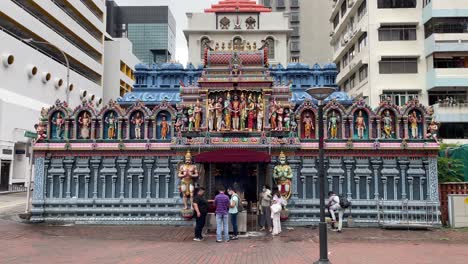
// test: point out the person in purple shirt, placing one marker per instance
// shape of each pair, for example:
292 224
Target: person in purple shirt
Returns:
222 207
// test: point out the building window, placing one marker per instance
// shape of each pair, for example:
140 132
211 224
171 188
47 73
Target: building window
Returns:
362 10
362 42
271 48
454 130
398 65
399 97
338 67
426 2
450 97
346 86
397 33
204 43
351 53
446 25
267 3
295 32
363 73
344 7
294 3
295 17
352 81
336 21
345 59
396 3
280 4
447 61
295 46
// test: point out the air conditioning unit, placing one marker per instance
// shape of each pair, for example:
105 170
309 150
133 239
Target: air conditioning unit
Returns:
332 33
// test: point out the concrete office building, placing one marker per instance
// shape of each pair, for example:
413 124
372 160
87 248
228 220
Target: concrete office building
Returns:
151 29
309 41
34 75
403 50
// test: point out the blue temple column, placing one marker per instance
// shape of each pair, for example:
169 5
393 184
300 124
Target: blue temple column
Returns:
376 167
175 170
403 166
432 179
349 165
295 163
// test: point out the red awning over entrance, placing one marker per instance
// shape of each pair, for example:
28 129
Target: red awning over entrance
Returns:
232 156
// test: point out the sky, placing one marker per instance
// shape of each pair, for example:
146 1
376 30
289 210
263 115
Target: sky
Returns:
179 8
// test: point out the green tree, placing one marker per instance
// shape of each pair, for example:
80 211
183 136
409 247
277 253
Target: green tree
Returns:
450 170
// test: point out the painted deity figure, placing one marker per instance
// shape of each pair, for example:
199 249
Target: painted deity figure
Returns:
191 118
333 125
211 114
243 112
41 132
111 125
219 114
235 112
387 125
58 122
138 122
197 115
414 121
251 113
287 119
272 116
432 130
180 123
260 113
282 173
188 173
227 112
308 126
360 125
293 130
164 127
279 114
85 122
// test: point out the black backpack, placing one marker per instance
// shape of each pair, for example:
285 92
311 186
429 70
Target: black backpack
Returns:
344 202
240 207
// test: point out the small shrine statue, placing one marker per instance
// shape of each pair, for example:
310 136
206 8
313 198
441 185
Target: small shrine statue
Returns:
164 127
432 130
387 125
58 122
40 131
282 173
260 113
414 121
211 114
138 122
272 116
333 125
279 117
219 114
249 47
230 45
287 119
85 122
191 118
227 112
251 113
235 110
243 112
217 46
360 125
308 126
188 173
223 46
111 125
293 130
180 124
198 115
254 47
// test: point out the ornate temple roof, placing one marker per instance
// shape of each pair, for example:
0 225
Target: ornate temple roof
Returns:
242 6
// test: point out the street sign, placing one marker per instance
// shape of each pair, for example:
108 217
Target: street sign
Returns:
30 134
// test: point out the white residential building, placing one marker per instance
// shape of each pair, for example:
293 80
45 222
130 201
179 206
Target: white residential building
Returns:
404 49
34 75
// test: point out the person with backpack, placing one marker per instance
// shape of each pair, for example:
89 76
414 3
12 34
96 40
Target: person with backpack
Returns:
234 205
335 206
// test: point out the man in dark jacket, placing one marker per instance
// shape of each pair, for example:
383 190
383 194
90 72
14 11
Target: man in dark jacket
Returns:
200 205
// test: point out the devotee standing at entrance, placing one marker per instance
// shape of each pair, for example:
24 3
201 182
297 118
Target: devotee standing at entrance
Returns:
200 205
233 211
275 216
265 203
222 205
333 206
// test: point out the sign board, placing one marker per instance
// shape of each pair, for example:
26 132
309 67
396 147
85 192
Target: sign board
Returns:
466 200
30 134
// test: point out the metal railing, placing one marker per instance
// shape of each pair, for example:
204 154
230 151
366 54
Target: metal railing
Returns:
408 214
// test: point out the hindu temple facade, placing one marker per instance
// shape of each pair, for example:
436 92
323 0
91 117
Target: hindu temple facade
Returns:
237 120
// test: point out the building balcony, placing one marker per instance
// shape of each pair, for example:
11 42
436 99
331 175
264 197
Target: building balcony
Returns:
451 113
353 66
444 8
349 39
448 42
352 9
447 77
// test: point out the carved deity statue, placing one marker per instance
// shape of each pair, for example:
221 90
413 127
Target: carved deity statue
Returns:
287 119
243 112
211 114
191 118
260 113
282 173
229 46
58 122
111 125
432 130
197 115
272 116
248 46
279 117
227 112
85 123
333 125
180 123
360 125
219 114
164 127
235 112
414 121
254 47
217 46
41 132
188 174
138 122
251 113
387 125
308 126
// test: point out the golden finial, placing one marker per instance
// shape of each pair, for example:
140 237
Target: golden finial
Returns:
188 155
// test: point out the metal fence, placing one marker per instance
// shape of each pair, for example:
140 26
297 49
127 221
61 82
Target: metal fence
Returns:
408 214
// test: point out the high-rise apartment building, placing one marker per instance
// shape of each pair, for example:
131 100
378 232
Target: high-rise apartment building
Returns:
403 49
151 29
309 41
33 35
